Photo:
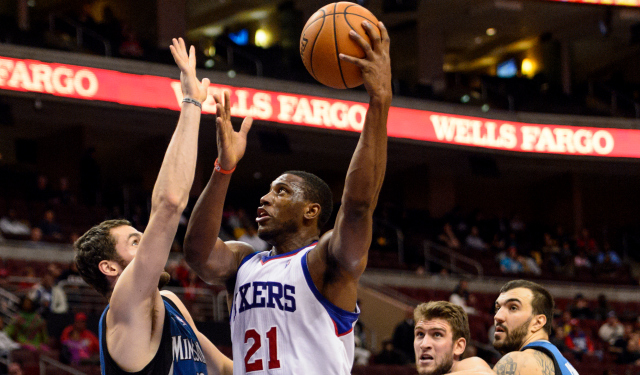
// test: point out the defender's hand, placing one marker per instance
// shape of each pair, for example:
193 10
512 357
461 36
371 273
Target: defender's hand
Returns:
231 144
191 87
376 65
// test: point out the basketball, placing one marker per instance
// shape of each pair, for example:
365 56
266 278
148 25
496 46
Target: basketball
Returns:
326 35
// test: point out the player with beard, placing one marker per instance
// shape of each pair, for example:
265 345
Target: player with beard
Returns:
441 335
523 321
293 308
143 330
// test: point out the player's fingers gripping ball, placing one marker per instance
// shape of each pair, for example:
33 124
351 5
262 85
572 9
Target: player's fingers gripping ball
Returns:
326 35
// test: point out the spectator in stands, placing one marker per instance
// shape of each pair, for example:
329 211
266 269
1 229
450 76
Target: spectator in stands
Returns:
250 236
612 330
448 237
14 368
390 355
631 352
581 261
580 308
42 192
608 252
509 264
130 46
78 343
603 308
463 298
28 328
11 225
36 235
71 275
558 339
551 253
89 177
63 195
49 226
473 240
586 243
578 341
403 336
530 264
49 297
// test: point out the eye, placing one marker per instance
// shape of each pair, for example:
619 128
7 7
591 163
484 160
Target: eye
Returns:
419 334
438 334
135 242
513 308
281 190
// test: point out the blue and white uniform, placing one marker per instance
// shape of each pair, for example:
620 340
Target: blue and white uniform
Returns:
281 324
179 352
562 366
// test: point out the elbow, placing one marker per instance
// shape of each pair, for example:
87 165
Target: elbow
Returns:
170 203
357 208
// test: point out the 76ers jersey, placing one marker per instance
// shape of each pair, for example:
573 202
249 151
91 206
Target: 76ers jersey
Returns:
281 324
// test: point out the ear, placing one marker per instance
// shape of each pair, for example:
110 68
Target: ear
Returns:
108 267
459 346
312 211
538 323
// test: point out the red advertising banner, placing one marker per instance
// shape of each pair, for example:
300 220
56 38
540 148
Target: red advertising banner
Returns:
628 3
161 92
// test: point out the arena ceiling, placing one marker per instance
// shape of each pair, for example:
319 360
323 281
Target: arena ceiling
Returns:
598 35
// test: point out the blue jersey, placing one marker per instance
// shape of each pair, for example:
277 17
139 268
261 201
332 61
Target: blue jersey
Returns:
562 366
179 352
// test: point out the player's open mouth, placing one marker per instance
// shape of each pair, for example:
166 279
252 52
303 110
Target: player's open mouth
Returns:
500 330
426 359
262 215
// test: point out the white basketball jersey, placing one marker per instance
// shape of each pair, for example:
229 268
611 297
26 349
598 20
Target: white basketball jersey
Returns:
281 324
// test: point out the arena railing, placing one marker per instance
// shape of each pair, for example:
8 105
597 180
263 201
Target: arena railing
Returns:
449 259
44 361
202 303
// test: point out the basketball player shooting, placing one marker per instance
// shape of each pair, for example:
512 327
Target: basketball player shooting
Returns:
143 330
293 308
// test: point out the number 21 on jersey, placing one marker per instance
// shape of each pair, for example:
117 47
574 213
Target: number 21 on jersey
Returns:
256 364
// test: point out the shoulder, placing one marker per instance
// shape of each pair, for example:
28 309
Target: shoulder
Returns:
240 249
471 363
530 362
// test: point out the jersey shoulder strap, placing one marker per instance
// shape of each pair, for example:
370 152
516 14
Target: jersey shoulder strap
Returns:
560 363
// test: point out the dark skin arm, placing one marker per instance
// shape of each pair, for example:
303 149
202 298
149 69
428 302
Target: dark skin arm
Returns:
340 257
214 260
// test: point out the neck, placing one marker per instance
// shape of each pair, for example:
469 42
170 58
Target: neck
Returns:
294 242
540 335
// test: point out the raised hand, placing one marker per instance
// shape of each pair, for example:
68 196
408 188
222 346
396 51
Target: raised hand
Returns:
231 144
376 65
191 86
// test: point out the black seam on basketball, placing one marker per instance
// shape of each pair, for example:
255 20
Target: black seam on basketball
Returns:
313 46
335 42
314 21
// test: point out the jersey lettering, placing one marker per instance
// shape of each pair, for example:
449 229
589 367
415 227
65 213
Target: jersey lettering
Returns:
267 294
185 349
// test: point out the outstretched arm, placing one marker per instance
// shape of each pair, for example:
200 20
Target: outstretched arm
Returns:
137 287
349 242
212 259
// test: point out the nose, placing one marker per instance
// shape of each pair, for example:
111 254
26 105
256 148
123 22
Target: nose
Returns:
499 317
426 343
266 199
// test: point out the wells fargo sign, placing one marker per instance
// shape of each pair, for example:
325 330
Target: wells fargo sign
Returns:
161 92
629 3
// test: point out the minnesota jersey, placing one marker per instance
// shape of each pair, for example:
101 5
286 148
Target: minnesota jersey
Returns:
179 352
281 324
562 366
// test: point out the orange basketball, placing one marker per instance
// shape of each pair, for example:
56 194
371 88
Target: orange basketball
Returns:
326 35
